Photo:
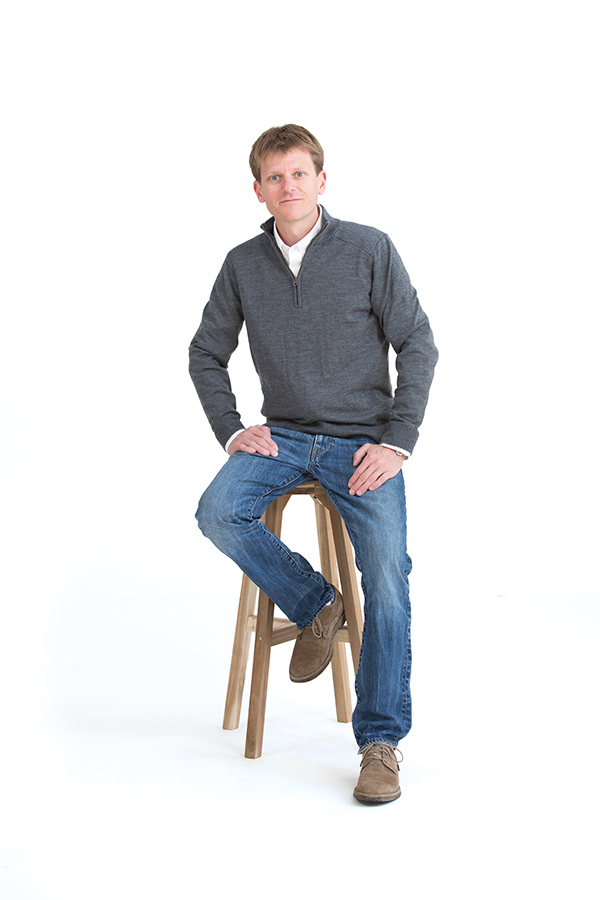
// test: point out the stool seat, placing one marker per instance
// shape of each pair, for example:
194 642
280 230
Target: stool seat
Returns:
337 566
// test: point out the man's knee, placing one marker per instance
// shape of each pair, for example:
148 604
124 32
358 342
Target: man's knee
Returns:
213 510
205 514
220 508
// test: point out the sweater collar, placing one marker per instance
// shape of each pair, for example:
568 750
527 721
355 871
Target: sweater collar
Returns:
303 243
269 226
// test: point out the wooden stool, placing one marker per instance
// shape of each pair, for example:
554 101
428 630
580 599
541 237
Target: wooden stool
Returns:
337 566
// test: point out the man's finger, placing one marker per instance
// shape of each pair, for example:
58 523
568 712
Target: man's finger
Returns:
256 439
377 467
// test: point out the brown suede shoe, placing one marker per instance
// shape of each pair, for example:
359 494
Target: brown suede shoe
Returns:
313 649
378 781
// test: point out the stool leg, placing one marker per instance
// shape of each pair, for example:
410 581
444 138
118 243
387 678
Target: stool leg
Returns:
339 664
239 655
260 677
262 649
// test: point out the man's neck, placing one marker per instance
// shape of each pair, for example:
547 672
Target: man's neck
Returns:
292 232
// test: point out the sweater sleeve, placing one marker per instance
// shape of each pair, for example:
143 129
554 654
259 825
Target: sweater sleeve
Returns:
406 327
210 352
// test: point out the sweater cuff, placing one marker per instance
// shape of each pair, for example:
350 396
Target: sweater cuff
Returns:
401 435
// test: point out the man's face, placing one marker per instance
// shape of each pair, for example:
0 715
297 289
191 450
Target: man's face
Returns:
290 186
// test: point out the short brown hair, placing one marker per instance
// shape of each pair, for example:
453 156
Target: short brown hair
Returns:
282 139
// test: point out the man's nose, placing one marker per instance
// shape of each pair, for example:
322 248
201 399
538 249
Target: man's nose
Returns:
288 184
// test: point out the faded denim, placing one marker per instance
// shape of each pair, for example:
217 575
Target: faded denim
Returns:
229 512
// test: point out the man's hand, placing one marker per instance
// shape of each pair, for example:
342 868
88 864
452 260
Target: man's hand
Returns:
375 465
256 439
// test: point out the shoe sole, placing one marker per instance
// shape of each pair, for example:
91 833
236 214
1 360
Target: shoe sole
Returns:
376 798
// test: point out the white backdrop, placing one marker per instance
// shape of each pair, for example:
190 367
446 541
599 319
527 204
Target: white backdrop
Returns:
468 132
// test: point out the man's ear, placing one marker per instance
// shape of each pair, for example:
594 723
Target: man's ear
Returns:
322 178
258 191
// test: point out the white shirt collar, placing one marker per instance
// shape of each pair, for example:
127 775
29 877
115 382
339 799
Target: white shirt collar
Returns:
294 255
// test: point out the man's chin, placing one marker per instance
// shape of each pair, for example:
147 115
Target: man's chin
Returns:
294 210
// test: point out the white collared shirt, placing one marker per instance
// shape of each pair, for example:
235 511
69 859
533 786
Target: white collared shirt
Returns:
295 254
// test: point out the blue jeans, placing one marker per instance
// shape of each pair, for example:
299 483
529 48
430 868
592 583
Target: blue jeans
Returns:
229 512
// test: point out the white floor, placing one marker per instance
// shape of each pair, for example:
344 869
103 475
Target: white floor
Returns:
498 780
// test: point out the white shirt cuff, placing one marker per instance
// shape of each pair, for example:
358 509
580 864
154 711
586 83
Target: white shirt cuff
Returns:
397 449
234 435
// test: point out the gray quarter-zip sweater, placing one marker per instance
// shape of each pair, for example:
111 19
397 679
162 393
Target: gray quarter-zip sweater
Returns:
319 341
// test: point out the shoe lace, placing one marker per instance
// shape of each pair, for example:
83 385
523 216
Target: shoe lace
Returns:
317 628
381 751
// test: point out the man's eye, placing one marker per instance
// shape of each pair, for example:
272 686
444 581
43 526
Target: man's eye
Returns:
299 174
273 177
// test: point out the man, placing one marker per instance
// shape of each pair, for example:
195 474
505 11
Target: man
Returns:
323 300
